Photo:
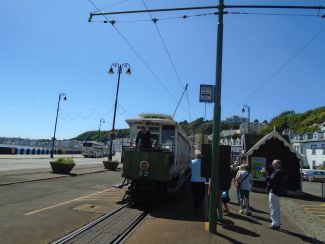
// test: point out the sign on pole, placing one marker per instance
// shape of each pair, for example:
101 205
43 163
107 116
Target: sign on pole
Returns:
207 93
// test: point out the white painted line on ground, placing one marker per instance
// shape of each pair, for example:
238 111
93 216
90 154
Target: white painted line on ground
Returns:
63 203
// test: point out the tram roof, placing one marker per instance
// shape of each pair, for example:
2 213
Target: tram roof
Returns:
156 118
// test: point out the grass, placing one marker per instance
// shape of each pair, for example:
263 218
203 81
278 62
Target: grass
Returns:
63 160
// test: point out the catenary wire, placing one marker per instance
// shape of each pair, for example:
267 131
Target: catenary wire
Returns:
285 64
167 52
165 46
185 17
139 56
112 5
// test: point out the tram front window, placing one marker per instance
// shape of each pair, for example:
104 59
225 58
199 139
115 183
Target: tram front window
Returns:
168 137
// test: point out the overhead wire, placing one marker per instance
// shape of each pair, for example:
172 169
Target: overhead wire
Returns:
276 72
138 55
154 20
185 17
214 13
112 5
165 46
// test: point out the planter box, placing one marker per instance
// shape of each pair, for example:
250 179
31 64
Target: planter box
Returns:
110 165
59 168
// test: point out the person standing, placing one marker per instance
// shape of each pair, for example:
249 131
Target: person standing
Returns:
197 183
240 168
244 179
143 139
274 188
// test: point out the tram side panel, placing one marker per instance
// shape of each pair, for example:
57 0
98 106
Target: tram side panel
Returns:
147 165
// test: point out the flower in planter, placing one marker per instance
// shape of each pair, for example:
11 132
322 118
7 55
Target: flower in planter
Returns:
62 160
62 165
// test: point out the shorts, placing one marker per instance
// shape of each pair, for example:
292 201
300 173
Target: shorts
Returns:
244 193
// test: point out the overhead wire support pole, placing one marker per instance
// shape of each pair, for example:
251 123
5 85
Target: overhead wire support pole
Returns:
217 99
151 10
205 7
185 89
214 184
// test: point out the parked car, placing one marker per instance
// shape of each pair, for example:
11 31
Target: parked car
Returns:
317 176
305 175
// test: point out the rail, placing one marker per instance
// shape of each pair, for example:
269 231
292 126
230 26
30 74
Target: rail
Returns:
114 227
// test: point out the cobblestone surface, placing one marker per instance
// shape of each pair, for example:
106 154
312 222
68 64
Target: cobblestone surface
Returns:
311 224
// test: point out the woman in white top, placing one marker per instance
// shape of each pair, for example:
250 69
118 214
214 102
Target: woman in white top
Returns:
245 180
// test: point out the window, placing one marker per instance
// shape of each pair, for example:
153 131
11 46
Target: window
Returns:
168 136
323 146
314 164
313 149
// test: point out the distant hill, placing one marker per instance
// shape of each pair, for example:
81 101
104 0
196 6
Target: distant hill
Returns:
104 135
308 121
299 123
198 126
201 126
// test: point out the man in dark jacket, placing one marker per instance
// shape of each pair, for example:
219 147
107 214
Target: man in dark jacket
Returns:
143 139
274 188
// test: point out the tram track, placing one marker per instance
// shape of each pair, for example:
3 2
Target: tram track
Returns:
114 227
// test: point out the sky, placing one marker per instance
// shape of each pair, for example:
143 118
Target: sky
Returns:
272 62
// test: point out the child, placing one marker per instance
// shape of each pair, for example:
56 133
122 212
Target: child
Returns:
225 199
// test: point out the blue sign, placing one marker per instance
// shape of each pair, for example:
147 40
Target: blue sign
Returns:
207 93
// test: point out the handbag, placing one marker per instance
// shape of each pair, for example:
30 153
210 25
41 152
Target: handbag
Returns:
238 183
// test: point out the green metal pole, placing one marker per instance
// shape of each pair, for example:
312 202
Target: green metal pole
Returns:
216 127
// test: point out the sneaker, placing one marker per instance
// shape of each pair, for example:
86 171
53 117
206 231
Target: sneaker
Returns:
241 211
273 227
248 213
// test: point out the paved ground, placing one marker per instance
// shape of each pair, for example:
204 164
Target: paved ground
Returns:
313 188
176 223
22 162
42 211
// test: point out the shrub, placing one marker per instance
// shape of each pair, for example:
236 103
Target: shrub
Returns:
62 160
322 167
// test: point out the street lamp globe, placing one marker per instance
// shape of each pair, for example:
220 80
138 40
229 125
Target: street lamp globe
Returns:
111 71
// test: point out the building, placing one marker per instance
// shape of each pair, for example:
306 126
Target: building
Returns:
260 153
311 146
254 127
236 119
236 147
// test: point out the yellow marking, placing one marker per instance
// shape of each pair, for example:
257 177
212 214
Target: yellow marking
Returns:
315 208
312 205
63 203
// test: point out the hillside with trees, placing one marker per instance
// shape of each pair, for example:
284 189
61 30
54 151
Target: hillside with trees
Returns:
104 135
306 122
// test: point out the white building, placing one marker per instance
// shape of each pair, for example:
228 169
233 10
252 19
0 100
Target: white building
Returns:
236 119
311 147
254 127
236 147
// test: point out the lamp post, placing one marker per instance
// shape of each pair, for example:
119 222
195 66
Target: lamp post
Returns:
119 68
100 124
56 119
249 114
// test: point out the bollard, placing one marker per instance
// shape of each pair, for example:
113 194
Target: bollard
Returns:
323 191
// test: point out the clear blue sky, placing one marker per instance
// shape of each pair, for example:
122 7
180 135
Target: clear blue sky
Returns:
48 47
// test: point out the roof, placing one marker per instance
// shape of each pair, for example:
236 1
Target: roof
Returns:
273 134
